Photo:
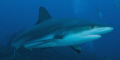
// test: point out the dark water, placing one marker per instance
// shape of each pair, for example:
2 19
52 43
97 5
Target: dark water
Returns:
17 15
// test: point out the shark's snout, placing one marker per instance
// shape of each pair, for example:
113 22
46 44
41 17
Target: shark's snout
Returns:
106 30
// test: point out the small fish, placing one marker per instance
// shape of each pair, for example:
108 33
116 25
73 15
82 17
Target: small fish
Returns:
100 14
116 4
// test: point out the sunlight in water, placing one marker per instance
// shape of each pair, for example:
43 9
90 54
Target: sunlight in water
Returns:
80 6
76 6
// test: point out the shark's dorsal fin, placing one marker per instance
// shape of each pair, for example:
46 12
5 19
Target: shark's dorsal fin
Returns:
43 15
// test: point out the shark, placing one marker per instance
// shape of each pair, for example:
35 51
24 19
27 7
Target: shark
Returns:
71 32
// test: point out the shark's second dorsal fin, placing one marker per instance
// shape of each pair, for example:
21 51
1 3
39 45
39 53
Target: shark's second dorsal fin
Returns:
43 15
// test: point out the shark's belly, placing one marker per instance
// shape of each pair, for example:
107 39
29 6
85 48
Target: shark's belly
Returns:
69 40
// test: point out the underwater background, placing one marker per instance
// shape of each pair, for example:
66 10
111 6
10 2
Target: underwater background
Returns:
18 15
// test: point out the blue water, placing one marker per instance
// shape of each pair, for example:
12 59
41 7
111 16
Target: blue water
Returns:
16 15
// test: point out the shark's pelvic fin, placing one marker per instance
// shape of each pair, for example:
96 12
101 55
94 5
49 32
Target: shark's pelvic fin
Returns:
43 15
77 48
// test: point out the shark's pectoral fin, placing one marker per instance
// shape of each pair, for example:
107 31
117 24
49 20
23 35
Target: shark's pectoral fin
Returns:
77 48
43 15
30 45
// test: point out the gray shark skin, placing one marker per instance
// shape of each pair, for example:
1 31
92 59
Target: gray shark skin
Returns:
50 32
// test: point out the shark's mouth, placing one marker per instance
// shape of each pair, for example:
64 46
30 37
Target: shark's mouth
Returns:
93 36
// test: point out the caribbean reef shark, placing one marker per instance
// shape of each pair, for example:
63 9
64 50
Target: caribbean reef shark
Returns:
50 32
